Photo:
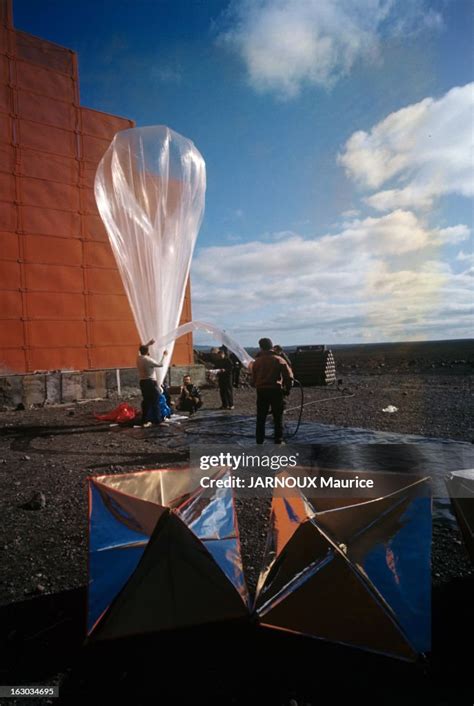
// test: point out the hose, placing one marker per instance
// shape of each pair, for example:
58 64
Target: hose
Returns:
300 407
296 383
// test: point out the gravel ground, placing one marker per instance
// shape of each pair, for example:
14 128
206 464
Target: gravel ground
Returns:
430 404
51 451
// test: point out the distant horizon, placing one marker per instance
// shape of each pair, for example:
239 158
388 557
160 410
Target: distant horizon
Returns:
342 345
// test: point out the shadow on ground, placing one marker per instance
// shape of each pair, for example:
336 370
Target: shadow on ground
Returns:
231 663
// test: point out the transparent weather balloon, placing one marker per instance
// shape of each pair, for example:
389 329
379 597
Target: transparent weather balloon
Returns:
150 189
217 334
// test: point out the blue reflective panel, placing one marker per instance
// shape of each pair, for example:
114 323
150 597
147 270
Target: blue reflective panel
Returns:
109 570
401 571
217 518
226 553
105 529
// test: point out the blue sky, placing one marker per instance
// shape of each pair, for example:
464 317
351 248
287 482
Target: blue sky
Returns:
339 199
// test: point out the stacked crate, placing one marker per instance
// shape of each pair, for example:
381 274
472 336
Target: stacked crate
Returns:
314 365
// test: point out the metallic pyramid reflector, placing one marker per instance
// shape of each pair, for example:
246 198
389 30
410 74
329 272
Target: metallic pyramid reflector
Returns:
164 554
351 570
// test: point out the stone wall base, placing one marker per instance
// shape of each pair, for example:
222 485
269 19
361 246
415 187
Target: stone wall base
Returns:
62 387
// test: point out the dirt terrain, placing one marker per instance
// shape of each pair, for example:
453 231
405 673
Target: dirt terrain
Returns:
52 451
46 455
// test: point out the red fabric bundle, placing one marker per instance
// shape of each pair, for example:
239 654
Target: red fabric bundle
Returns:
123 413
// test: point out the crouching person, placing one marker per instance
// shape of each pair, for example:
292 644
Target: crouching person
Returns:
190 397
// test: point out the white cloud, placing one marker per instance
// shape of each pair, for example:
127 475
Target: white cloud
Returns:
378 278
453 234
465 256
425 150
351 213
286 44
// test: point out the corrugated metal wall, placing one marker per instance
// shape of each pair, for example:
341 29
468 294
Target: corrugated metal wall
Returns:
62 303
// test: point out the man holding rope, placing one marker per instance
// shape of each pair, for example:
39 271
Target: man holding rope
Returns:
146 366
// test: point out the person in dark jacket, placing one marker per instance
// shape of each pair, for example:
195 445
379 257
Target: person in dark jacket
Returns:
272 378
224 378
236 368
190 397
279 351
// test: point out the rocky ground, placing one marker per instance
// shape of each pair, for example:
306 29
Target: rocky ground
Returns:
46 455
51 451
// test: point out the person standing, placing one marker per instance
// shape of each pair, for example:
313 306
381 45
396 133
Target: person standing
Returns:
279 351
236 368
272 378
146 367
224 378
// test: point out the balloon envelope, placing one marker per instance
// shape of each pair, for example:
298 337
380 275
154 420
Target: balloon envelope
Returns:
218 334
150 189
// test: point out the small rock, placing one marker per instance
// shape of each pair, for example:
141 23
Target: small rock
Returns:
40 588
26 458
36 502
391 409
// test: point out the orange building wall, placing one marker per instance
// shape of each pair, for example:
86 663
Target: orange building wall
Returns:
62 304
